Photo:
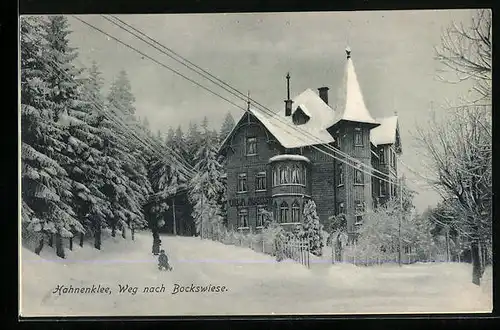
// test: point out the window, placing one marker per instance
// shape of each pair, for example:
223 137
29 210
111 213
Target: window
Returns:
260 181
242 182
359 207
251 146
284 175
275 177
260 215
340 208
340 174
382 188
358 137
393 160
358 176
295 212
305 175
359 220
296 175
243 218
382 156
339 142
284 212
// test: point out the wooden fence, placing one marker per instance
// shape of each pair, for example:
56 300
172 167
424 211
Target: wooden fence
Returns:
298 250
294 249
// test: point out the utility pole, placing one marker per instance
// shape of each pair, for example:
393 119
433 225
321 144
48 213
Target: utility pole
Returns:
173 215
400 218
201 216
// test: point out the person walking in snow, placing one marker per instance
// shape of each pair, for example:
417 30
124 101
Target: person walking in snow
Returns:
163 261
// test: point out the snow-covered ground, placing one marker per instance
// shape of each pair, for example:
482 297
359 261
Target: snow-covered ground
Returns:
254 283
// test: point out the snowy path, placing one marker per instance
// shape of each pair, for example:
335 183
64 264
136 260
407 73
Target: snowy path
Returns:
255 283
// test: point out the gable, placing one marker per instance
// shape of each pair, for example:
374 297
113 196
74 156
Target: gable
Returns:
246 119
387 132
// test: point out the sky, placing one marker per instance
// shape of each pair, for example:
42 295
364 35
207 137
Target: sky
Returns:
392 51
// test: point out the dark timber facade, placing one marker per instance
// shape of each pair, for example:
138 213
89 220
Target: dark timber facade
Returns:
270 168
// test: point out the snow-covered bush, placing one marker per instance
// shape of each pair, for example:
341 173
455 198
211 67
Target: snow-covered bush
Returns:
311 229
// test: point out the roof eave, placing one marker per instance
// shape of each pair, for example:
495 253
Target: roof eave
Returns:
336 124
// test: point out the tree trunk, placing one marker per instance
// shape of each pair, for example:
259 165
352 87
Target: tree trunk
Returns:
39 248
133 233
476 263
124 233
51 240
71 243
483 259
59 246
156 240
97 237
81 239
113 229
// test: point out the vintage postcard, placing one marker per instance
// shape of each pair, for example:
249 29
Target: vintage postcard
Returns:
256 164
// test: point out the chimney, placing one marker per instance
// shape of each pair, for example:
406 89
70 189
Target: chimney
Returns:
288 102
288 108
323 94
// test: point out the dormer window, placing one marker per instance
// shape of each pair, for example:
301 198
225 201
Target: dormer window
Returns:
301 115
251 146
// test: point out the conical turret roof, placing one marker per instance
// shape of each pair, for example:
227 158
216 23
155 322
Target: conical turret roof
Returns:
350 104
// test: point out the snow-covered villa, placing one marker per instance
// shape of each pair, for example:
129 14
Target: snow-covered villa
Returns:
277 161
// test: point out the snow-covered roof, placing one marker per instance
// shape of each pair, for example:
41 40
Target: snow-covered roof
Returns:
288 157
314 131
350 104
289 135
386 132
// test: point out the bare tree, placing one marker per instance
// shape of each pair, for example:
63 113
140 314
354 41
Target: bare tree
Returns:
466 51
458 145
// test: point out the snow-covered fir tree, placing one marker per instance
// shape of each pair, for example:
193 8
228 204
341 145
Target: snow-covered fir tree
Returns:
311 229
120 96
85 149
127 183
169 137
46 186
205 187
193 142
180 146
227 127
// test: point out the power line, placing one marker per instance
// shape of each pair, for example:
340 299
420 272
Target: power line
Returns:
120 121
357 164
240 96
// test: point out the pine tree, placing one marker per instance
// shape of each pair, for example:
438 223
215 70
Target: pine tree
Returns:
46 93
205 188
169 138
61 82
120 96
180 146
227 127
127 184
85 149
193 142
311 229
